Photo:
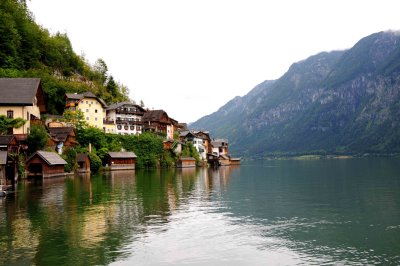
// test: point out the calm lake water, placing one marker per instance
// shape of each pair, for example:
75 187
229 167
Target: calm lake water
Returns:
291 212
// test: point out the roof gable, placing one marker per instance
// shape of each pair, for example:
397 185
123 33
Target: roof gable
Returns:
51 158
61 133
19 91
122 154
155 115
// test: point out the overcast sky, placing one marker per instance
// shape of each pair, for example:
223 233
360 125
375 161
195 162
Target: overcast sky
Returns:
191 57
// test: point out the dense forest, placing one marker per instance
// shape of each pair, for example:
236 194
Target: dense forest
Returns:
29 50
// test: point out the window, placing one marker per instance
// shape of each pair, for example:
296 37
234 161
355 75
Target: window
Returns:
119 127
95 110
126 127
87 118
27 116
95 119
87 110
132 127
86 102
10 114
91 102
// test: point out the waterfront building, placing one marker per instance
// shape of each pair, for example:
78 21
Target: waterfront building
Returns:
45 164
124 118
121 160
22 98
92 107
158 121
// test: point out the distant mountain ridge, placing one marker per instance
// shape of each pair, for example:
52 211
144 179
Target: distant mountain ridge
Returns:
341 102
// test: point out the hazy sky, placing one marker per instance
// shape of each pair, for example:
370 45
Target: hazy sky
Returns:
190 57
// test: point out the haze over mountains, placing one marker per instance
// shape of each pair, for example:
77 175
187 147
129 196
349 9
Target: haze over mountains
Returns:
340 102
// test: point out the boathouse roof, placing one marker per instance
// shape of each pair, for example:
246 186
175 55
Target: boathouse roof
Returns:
122 154
51 158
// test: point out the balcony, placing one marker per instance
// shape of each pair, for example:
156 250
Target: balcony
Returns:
129 121
126 111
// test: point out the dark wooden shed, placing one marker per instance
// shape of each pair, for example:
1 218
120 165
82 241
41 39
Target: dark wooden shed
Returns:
186 162
45 164
83 161
121 160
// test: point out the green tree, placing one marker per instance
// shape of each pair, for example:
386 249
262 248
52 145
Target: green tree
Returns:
7 124
37 138
76 119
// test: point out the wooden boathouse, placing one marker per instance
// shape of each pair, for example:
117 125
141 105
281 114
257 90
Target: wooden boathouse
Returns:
45 164
121 160
184 162
83 161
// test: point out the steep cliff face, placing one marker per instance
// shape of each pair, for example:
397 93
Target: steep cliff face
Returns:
336 102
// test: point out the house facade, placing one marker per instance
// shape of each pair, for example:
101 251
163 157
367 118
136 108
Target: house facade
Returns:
199 141
158 121
21 98
92 107
125 118
219 147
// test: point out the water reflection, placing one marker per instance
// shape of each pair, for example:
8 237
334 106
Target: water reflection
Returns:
288 212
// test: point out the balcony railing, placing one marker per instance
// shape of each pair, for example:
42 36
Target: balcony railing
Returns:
130 112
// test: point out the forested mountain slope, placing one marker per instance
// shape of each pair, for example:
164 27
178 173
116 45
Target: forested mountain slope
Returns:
341 102
28 50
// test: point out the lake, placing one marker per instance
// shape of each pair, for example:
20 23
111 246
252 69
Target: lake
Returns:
285 212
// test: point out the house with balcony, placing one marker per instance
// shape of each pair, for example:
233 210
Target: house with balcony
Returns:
22 98
197 142
158 121
124 118
92 107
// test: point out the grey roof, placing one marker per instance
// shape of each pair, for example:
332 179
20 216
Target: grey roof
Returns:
18 91
154 115
121 104
60 133
88 94
219 142
122 154
187 158
51 158
3 157
6 139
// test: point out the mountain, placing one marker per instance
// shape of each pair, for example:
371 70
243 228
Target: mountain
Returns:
340 102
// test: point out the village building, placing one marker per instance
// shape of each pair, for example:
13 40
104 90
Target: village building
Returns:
219 147
61 137
158 121
205 136
184 162
125 118
22 98
173 145
83 161
92 107
121 160
197 142
45 164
